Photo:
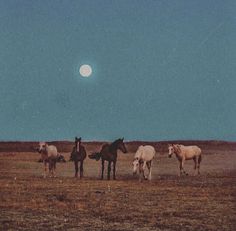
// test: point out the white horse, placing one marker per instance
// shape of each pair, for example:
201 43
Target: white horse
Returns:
186 153
142 158
49 155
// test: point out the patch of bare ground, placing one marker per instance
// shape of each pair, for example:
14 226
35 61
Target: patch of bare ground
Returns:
30 202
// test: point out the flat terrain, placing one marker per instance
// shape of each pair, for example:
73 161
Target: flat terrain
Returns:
206 202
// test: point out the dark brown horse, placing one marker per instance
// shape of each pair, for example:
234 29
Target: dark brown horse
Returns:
109 153
78 154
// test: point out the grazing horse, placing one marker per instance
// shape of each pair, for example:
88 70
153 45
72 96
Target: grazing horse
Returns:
109 153
60 159
49 155
142 158
186 153
78 154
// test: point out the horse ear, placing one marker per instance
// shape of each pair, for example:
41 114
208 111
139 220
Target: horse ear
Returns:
123 139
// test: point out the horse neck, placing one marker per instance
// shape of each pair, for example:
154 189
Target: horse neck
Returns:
114 147
178 154
77 146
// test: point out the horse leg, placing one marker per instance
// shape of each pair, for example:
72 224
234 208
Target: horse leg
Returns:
81 169
114 170
140 171
53 170
149 165
109 170
45 169
198 166
144 166
183 167
102 168
76 168
54 165
195 165
50 168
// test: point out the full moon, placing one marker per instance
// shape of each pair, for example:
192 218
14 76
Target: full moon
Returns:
85 70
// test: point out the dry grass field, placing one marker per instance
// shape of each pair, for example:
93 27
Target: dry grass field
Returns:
168 202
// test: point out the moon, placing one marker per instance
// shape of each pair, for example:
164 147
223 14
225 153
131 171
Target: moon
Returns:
85 70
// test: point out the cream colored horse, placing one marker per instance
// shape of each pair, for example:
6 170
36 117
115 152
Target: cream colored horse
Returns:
143 157
49 155
186 153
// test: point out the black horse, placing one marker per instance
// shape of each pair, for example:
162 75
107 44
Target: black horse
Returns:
78 154
109 153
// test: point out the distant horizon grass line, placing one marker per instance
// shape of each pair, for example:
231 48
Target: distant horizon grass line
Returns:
126 141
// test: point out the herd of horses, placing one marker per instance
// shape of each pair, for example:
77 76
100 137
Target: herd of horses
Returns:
143 157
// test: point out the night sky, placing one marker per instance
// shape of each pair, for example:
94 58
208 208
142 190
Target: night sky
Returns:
162 70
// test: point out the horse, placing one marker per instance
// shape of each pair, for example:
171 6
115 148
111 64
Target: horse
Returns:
186 153
142 158
78 154
49 155
109 153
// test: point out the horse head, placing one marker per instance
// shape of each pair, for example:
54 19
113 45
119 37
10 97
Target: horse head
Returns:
135 165
174 149
121 145
171 150
77 140
61 158
42 147
95 156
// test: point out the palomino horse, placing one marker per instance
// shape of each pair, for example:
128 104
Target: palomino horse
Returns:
143 156
48 155
78 154
186 153
109 153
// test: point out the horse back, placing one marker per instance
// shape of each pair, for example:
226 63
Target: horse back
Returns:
191 151
146 153
52 152
107 153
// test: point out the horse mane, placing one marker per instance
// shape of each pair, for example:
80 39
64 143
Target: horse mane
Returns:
177 148
115 143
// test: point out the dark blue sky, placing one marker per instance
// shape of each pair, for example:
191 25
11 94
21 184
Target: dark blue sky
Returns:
162 70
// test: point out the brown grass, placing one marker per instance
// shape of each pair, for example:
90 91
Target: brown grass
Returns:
30 202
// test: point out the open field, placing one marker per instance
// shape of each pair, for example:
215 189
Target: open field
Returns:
206 202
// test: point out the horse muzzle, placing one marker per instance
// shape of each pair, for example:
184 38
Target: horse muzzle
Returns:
170 155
